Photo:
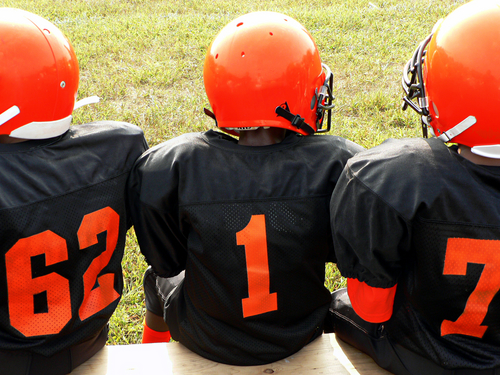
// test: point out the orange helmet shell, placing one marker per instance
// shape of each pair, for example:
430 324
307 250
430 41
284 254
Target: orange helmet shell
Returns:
258 62
38 76
461 73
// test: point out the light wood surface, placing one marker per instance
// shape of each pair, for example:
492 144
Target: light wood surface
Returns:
326 355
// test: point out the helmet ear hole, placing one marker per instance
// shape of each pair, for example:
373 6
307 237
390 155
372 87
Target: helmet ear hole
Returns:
436 111
313 100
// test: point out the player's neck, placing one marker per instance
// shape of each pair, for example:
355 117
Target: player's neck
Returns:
4 138
261 137
466 152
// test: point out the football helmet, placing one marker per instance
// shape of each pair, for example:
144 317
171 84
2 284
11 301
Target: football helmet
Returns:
453 80
38 77
263 69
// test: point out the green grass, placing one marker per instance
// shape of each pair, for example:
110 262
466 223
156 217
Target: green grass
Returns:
144 58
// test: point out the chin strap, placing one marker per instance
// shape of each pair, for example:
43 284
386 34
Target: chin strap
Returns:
282 111
296 120
9 114
209 113
457 129
90 100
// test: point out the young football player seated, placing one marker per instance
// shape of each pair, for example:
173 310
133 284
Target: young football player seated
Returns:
416 222
235 225
63 214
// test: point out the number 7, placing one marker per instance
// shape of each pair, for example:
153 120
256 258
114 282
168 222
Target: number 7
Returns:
460 252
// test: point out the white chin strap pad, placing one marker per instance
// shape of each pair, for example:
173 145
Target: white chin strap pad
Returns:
490 151
42 130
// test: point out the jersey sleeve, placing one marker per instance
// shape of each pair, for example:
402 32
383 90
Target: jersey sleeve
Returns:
368 234
153 201
343 149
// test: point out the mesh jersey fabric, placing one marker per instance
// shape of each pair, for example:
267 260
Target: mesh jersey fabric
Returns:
417 214
250 225
64 221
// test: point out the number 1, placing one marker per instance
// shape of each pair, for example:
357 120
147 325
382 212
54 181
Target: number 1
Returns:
254 238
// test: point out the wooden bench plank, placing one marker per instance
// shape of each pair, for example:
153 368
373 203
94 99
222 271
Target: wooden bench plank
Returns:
326 355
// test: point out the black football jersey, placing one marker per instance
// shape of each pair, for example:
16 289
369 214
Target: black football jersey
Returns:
63 225
417 214
250 225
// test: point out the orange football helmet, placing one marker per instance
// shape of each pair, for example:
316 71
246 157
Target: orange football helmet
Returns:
456 80
38 76
264 70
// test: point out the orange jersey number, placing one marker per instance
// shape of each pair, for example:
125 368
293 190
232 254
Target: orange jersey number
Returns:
23 284
254 238
460 252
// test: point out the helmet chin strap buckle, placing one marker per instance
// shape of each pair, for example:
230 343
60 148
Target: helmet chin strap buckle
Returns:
284 111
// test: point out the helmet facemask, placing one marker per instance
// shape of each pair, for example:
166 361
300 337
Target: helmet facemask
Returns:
414 88
323 98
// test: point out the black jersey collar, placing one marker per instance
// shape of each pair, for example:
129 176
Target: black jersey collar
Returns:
9 148
225 141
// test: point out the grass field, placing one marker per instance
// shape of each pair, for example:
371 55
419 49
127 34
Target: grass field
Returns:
144 58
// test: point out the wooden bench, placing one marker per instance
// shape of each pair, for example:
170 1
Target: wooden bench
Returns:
326 355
